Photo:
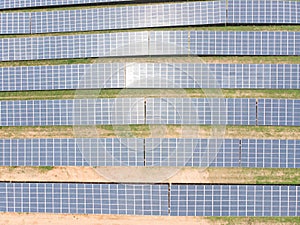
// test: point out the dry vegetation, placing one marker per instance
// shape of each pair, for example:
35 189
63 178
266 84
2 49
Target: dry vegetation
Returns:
143 131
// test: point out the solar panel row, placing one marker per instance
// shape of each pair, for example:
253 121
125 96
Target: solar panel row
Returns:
234 200
244 153
72 112
244 43
254 153
201 111
15 4
146 75
278 112
157 15
72 152
150 43
270 153
263 11
84 198
134 199
178 75
15 23
274 112
192 152
158 111
62 77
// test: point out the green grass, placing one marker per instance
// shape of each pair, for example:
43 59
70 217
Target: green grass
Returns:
241 175
12 168
250 93
166 59
253 59
151 93
45 169
254 220
291 176
28 95
46 62
256 132
58 94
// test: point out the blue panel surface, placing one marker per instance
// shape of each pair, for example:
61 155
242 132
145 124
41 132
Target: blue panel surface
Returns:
79 46
244 43
234 200
72 112
201 111
263 12
192 152
16 4
278 112
150 43
59 77
72 152
128 199
150 75
252 153
270 153
15 23
154 15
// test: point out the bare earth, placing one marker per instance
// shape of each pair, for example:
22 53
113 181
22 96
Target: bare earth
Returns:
62 219
79 219
135 174
89 174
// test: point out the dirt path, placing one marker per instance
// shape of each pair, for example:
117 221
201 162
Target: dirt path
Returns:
63 219
185 175
79 219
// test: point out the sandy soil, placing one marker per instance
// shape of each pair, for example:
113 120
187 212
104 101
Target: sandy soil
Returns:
83 174
133 174
62 219
89 174
79 219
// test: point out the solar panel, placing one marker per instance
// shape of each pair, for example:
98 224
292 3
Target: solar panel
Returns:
234 200
131 199
263 12
190 75
278 112
281 112
191 152
150 75
136 199
150 43
181 152
265 76
244 43
154 15
79 46
270 153
75 76
200 111
72 112
15 23
72 152
15 4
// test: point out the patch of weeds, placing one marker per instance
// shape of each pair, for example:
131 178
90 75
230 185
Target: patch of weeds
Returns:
45 169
